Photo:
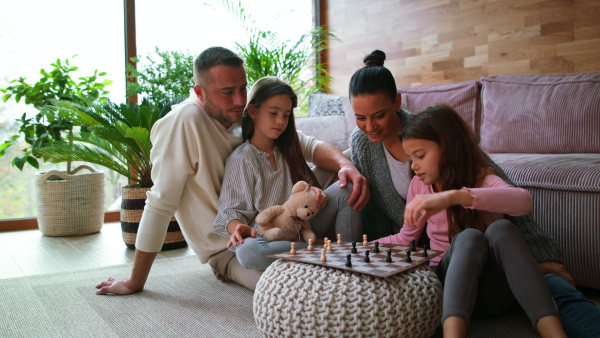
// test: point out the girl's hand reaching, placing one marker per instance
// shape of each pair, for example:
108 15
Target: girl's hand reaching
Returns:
321 197
422 207
241 231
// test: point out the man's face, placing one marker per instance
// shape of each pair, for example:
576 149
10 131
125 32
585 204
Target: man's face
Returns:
224 93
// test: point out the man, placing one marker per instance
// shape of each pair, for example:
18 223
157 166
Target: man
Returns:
190 146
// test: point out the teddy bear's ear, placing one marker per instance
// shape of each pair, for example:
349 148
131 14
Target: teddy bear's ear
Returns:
300 186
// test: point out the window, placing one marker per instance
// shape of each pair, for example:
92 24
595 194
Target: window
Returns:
33 34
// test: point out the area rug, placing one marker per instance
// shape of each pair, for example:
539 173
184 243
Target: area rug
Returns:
182 299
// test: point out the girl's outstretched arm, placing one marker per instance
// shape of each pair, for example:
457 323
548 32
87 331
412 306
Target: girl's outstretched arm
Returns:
496 195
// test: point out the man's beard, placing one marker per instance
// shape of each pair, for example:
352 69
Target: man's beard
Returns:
216 113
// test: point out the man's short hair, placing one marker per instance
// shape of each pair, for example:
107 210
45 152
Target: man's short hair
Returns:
213 56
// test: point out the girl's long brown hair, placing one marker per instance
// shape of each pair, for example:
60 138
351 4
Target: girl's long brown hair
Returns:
462 162
287 143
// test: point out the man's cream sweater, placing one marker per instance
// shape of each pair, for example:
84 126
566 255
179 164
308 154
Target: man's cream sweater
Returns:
188 163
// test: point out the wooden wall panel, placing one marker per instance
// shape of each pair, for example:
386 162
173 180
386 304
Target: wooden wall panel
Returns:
444 41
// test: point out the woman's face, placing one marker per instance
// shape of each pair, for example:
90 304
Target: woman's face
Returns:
376 116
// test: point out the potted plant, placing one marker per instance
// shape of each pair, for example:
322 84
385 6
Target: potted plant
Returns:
69 202
118 138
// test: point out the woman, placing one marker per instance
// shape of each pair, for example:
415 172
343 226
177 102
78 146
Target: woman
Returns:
378 154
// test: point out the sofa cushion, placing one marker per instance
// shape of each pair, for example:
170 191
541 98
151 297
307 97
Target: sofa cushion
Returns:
565 172
331 129
322 104
462 96
541 113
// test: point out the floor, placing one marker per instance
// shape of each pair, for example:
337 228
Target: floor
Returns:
26 253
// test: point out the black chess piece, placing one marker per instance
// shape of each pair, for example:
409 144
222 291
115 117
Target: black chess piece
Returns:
413 246
389 256
367 259
354 247
425 254
348 261
376 248
408 259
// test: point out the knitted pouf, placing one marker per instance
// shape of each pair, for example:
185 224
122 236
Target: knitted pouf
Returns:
300 299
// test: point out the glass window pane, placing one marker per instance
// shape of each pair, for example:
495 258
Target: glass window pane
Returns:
34 34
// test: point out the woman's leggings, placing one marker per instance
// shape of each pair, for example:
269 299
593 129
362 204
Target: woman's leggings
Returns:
485 273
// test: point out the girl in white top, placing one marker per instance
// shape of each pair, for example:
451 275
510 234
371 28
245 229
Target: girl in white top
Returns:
261 172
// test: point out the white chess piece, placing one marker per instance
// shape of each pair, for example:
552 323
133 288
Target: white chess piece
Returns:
293 250
365 242
339 237
310 245
323 257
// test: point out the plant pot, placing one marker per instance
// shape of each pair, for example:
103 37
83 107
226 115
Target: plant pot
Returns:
70 204
132 207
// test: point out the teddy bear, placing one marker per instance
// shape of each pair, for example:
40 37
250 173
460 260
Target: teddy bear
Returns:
288 222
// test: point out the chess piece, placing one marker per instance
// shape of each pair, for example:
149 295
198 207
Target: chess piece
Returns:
376 248
367 259
325 242
408 259
354 247
323 257
339 237
329 248
413 246
348 261
389 256
310 245
365 242
425 254
293 250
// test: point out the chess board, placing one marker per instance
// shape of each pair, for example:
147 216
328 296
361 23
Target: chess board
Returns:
378 266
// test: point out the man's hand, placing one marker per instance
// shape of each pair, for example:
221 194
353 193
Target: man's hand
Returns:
116 286
241 231
360 186
557 269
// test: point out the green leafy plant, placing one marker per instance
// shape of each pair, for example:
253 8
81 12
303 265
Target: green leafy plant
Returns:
161 80
266 53
43 129
114 136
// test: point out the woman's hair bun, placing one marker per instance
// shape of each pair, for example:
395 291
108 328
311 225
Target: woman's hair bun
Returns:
375 58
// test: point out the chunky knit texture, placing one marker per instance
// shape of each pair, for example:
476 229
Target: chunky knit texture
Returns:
305 300
386 207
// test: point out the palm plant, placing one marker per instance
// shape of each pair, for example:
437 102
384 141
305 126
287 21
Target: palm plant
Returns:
114 136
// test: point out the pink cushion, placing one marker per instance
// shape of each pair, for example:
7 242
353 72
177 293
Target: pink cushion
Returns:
462 96
541 113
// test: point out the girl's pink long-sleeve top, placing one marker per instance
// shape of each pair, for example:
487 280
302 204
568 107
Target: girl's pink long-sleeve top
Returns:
494 199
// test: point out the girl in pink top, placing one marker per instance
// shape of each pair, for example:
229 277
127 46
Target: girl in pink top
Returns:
464 209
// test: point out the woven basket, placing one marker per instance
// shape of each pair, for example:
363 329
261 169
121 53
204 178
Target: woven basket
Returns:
70 204
132 207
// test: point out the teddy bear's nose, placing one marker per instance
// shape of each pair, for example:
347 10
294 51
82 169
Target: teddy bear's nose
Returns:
307 214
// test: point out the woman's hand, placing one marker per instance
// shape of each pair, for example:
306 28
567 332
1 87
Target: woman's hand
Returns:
321 197
557 269
241 231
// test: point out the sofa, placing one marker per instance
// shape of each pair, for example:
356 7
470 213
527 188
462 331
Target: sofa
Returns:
543 130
